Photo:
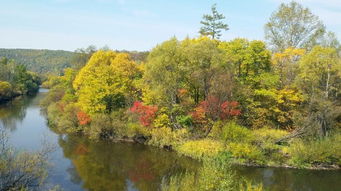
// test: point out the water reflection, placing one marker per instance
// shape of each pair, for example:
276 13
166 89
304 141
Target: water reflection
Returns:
120 166
293 179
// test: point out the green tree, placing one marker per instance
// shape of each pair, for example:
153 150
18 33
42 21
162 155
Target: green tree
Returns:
292 25
248 58
163 75
212 24
320 81
320 72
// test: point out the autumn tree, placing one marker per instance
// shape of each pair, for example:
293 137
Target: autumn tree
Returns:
248 58
320 79
293 25
203 64
286 65
212 24
106 82
320 72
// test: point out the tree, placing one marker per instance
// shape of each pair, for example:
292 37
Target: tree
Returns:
248 58
203 63
5 91
285 64
106 83
320 73
320 80
212 24
21 170
82 56
292 25
163 75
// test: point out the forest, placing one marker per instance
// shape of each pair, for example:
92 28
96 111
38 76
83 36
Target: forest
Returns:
247 102
16 80
271 103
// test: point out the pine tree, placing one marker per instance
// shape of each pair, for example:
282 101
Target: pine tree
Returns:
212 24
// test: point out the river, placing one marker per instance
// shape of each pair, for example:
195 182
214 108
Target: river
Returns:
81 164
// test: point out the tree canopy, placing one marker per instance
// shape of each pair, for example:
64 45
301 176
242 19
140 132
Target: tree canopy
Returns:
293 25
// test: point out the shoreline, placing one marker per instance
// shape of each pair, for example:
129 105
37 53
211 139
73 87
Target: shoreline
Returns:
169 148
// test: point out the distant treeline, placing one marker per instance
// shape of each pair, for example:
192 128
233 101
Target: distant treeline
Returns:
40 61
16 80
55 61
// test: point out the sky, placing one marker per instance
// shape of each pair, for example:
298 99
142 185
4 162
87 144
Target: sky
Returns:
136 24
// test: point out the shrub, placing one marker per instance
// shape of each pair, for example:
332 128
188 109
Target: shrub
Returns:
146 113
246 151
68 120
265 138
162 120
200 149
5 90
232 132
100 127
326 151
166 136
184 120
213 175
83 118
270 135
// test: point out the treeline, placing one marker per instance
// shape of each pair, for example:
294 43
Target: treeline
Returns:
40 61
16 80
204 97
55 61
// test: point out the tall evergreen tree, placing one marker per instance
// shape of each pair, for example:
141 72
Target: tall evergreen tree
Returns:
212 24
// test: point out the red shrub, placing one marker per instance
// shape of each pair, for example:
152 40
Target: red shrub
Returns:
214 109
83 118
146 113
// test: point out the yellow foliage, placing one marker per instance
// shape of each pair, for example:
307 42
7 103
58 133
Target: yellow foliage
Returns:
245 151
104 80
162 121
166 136
200 149
289 55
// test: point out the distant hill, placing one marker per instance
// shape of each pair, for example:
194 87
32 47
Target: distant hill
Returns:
40 61
54 61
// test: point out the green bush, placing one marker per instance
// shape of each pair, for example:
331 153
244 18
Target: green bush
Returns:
200 149
246 151
268 135
100 127
325 151
232 132
166 136
265 138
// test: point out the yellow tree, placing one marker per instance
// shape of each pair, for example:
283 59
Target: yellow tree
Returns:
286 64
106 82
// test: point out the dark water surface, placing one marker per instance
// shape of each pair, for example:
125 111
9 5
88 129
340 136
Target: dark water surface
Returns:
80 164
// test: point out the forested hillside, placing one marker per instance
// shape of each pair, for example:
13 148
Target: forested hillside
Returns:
40 61
55 61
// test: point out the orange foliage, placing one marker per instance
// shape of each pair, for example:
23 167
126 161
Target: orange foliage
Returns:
146 113
214 109
83 118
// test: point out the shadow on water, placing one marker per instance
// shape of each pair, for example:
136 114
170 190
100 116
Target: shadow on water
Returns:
81 164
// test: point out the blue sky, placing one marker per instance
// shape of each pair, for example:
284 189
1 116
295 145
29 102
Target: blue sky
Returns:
135 24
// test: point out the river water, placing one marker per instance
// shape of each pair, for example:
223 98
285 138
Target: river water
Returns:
81 164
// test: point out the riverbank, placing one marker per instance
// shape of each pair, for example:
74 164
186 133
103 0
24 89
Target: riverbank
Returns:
140 139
